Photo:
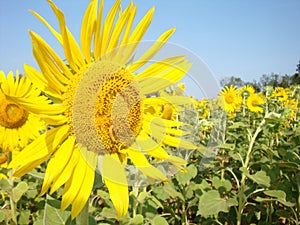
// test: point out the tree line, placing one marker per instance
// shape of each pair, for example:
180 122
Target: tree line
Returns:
274 80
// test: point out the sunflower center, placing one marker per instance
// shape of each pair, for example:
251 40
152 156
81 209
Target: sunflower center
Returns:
229 99
12 115
107 108
254 103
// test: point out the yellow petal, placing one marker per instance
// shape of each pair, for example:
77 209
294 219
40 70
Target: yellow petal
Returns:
137 35
108 27
158 44
41 107
160 81
140 161
97 32
73 185
71 48
41 82
67 172
43 146
87 184
126 34
87 28
177 142
115 179
53 31
57 163
118 28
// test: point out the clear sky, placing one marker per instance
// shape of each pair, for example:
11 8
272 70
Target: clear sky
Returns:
233 37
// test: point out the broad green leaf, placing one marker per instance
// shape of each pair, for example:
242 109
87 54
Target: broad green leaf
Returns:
158 220
172 192
261 178
143 196
4 186
138 220
221 185
183 178
102 194
24 217
288 165
108 213
280 196
19 190
53 215
210 203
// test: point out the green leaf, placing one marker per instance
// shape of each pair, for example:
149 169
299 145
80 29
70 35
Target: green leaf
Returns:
261 178
138 220
158 220
19 190
172 192
183 178
221 185
288 165
280 196
236 125
210 203
143 196
24 217
53 215
108 213
102 194
4 185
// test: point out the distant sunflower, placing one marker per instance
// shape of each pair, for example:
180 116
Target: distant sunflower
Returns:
17 125
100 99
229 99
202 108
291 106
246 91
280 93
255 102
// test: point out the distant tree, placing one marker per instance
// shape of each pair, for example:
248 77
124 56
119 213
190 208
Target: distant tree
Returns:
295 79
298 68
273 80
234 81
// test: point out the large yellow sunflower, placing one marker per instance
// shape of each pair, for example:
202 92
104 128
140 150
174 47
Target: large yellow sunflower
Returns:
99 100
229 99
17 125
255 102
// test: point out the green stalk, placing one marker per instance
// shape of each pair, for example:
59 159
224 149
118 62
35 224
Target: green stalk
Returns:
12 201
13 207
83 217
242 200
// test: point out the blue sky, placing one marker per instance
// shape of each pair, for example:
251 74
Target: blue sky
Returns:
233 37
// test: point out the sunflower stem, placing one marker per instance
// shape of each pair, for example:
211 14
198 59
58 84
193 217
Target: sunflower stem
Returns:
13 206
83 217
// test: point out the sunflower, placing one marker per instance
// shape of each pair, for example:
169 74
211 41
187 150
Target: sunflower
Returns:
203 108
229 99
99 96
246 91
17 125
291 106
280 93
254 103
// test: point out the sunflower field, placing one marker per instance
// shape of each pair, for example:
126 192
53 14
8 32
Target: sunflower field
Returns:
253 177
106 134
